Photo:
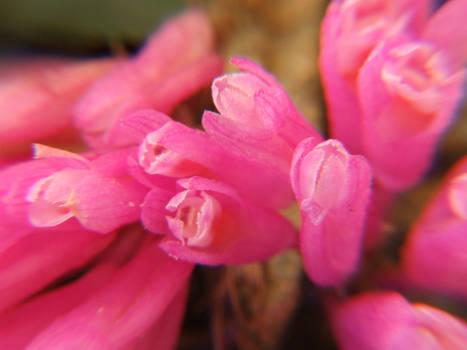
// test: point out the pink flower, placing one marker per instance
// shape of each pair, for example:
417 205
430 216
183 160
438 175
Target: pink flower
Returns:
402 96
434 256
257 117
206 221
385 320
60 185
350 31
169 148
34 261
140 307
36 96
116 305
332 188
176 62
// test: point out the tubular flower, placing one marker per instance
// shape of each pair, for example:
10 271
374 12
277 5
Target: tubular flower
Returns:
385 320
174 64
437 242
36 260
175 150
350 31
206 221
141 305
32 91
403 94
332 189
257 117
59 185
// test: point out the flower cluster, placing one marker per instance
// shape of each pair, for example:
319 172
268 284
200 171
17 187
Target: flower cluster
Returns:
99 245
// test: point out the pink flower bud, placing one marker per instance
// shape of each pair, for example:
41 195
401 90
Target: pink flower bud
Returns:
434 255
332 188
383 321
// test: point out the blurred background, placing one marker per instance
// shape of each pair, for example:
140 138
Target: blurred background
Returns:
259 306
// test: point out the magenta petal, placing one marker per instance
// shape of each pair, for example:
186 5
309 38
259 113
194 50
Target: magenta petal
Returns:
153 210
185 82
15 183
163 335
176 62
212 225
36 96
131 129
256 114
38 259
408 92
387 321
99 203
340 94
435 252
349 33
177 150
333 189
447 30
18 328
121 312
189 34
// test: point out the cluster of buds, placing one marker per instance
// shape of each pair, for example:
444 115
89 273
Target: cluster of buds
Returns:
149 196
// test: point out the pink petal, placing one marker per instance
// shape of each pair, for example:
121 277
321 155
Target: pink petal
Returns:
387 321
183 64
434 256
98 202
18 328
15 183
177 150
153 210
458 195
446 29
39 258
36 96
350 31
125 309
257 114
408 94
131 128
